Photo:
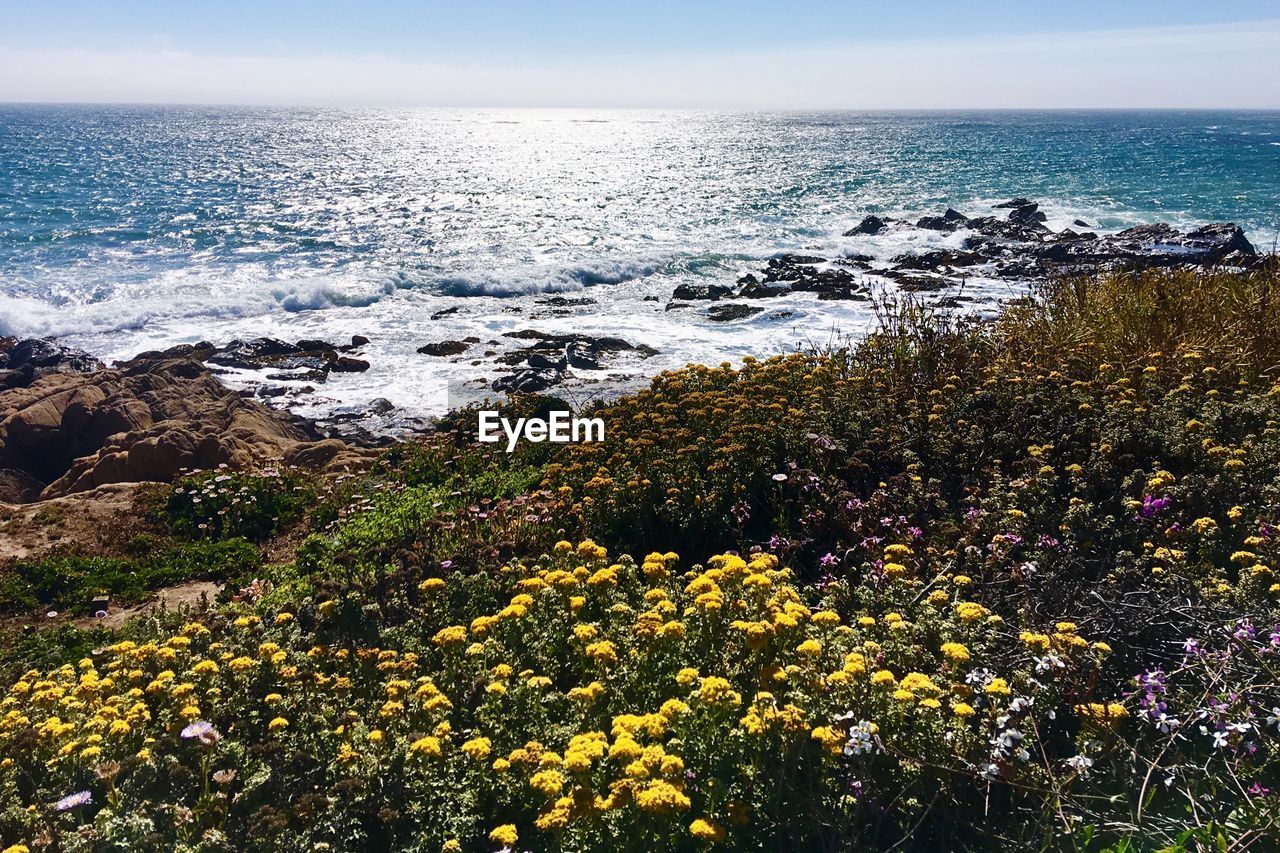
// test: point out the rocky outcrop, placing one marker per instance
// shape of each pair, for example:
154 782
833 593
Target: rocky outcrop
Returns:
870 225
23 361
445 348
701 291
1018 245
726 313
1015 245
306 360
69 431
549 358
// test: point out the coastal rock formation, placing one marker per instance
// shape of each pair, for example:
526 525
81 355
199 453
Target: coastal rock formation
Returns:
70 430
312 360
1020 246
22 362
547 361
446 348
1017 246
701 291
868 225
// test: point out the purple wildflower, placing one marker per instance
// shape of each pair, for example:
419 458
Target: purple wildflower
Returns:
1153 506
203 731
71 801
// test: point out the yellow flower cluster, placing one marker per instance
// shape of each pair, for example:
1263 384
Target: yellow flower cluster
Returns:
652 674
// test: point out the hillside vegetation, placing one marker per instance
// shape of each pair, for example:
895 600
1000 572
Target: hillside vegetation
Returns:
961 585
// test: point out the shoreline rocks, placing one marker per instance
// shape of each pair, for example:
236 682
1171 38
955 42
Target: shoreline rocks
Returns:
548 361
1020 245
1014 244
77 425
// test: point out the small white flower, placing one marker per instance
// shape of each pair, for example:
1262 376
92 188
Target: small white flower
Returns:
1080 763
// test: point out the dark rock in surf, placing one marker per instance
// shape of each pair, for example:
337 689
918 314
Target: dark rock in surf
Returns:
444 348
346 364
870 225
726 313
528 381
701 291
764 290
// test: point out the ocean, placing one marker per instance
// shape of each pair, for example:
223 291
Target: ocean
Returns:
128 228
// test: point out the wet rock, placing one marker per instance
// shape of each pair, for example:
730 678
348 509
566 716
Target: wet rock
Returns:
580 357
566 302
952 220
726 313
541 362
792 261
24 361
253 354
19 378
1029 215
445 312
553 340
197 352
919 282
937 258
1080 223
1218 240
345 364
856 261
991 226
786 274
764 290
1146 246
701 291
1066 235
528 381
444 348
358 340
869 225
841 294
1022 247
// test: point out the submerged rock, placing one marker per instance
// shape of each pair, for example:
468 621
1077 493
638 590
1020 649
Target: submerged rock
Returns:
444 348
725 313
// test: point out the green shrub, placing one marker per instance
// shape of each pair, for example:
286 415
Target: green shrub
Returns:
224 504
71 581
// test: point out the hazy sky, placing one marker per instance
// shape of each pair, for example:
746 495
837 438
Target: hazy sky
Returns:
746 53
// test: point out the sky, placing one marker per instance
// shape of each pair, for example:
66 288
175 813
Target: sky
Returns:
747 54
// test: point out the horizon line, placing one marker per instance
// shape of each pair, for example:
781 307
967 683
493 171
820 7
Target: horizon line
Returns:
300 105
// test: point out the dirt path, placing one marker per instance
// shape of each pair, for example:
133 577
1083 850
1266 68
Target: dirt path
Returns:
191 594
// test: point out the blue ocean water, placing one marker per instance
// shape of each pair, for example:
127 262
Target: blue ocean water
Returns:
125 228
